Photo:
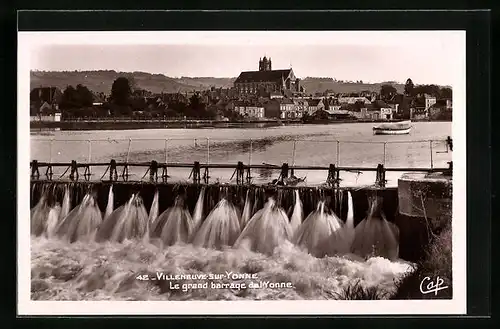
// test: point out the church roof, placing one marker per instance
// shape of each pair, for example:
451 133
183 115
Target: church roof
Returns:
262 76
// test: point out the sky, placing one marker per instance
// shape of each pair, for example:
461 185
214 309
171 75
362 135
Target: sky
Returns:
372 57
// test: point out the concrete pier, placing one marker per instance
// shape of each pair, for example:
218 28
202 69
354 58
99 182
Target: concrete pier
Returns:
425 208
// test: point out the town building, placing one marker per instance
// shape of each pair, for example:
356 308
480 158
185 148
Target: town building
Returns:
288 110
267 80
314 105
429 101
301 106
45 101
253 110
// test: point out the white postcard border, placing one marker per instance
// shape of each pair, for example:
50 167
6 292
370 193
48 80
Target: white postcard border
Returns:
28 41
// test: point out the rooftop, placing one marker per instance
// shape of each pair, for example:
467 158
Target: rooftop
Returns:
262 76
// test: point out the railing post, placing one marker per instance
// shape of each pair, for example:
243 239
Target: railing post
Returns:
284 171
240 173
338 153
196 173
432 161
153 171
89 158
128 151
166 150
385 145
249 176
34 169
49 172
165 168
250 153
333 176
50 150
380 178
450 168
113 172
87 172
208 150
206 176
449 142
74 170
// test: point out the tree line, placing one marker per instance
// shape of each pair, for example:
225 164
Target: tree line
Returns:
388 91
126 99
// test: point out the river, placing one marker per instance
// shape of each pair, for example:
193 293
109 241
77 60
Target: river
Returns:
346 145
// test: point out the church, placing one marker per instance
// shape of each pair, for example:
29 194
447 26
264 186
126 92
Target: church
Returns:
268 80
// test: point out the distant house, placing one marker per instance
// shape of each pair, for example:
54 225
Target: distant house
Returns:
381 110
418 113
314 105
338 113
98 99
429 101
449 104
301 106
45 100
288 110
372 111
250 109
321 114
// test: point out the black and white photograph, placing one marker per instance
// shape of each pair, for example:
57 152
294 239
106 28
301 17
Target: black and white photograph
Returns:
313 169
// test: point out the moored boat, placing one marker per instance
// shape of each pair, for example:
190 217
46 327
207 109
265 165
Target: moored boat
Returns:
393 128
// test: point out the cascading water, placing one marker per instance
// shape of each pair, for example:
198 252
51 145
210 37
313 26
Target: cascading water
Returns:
256 201
198 210
174 225
221 227
375 236
247 211
266 230
133 222
66 204
52 221
39 215
88 223
349 231
106 229
82 223
298 213
127 222
57 214
109 206
320 233
154 211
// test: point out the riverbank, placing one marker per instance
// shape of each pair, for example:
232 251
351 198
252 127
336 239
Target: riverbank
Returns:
107 124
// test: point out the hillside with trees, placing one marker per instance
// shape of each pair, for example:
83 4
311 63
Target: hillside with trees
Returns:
101 81
320 85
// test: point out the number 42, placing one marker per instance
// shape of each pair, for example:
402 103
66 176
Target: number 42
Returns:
143 277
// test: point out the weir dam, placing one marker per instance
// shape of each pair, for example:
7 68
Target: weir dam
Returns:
201 197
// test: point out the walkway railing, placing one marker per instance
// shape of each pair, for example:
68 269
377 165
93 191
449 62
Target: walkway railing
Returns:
241 170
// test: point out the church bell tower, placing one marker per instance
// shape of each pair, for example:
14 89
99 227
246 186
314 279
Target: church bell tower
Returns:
265 64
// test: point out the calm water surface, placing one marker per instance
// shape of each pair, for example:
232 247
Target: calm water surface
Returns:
316 145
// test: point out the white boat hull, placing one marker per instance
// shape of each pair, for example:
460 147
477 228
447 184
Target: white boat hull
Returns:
391 131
